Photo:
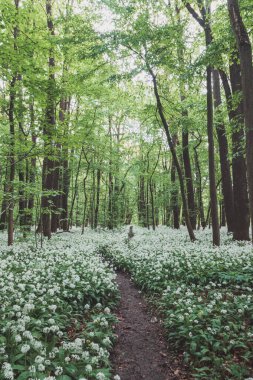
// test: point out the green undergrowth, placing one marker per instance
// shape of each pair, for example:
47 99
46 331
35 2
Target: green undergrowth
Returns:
55 315
205 296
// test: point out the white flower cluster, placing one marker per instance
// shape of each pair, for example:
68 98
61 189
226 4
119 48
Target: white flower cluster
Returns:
206 293
55 307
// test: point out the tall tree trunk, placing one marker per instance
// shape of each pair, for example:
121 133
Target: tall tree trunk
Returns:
4 207
174 197
75 190
31 169
22 199
204 22
12 97
199 187
97 198
174 154
56 198
141 202
245 53
188 174
151 190
48 132
236 117
92 199
185 132
11 162
110 220
227 190
22 164
240 190
64 108
211 154
85 195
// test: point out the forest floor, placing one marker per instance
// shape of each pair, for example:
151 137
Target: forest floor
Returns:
141 350
70 291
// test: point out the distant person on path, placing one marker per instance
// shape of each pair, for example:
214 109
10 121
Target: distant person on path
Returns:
130 233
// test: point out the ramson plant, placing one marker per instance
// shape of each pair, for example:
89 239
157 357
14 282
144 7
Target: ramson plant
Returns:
204 293
56 320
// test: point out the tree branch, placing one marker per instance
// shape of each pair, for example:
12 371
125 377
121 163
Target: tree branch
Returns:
195 15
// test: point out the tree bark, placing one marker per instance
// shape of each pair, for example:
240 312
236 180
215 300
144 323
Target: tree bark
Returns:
31 169
12 97
174 155
4 208
188 174
141 202
199 187
204 22
48 132
97 198
227 190
85 195
239 170
245 53
174 197
211 153
64 223
236 118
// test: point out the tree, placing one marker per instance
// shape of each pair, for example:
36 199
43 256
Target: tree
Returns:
205 24
245 53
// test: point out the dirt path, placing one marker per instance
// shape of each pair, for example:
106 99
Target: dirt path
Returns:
140 352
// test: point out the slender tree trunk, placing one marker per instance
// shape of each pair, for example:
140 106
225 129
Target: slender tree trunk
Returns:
92 199
185 132
174 155
10 187
236 117
21 166
11 163
48 133
110 199
85 196
147 195
204 21
141 202
188 170
64 108
211 154
227 190
174 197
31 169
222 214
75 189
56 198
151 190
110 221
245 53
199 187
4 208
97 198
22 199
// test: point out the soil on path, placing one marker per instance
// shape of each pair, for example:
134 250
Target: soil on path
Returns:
141 352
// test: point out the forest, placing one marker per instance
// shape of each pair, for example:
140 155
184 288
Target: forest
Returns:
126 189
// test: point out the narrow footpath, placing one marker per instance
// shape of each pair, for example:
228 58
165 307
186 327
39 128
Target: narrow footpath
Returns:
141 352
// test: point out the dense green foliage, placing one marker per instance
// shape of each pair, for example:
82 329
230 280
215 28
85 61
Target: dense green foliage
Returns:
82 139
116 112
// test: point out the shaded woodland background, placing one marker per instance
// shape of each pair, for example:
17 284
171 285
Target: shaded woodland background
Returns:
126 112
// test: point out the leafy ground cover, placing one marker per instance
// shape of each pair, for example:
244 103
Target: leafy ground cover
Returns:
205 295
55 304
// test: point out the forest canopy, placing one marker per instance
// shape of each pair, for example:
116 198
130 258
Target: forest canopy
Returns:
126 189
119 112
